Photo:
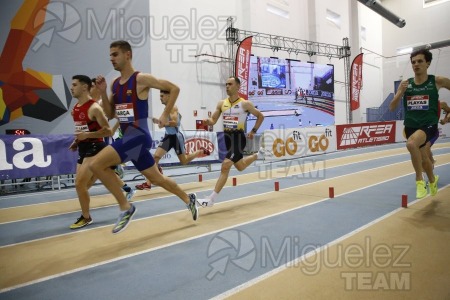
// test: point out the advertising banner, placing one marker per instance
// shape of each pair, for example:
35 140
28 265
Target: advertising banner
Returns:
257 93
193 141
243 65
365 134
300 142
23 156
356 81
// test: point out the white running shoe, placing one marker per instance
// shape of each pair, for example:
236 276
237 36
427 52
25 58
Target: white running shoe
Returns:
263 153
119 171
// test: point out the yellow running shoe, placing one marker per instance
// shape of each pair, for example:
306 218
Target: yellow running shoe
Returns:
433 186
421 189
81 222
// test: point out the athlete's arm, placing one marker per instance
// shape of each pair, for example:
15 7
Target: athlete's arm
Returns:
147 81
446 108
215 116
442 82
445 83
96 113
249 107
173 122
398 96
116 126
107 102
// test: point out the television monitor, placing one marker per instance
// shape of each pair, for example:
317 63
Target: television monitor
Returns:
272 72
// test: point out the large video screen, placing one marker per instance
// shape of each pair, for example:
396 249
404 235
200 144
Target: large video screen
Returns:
272 72
291 93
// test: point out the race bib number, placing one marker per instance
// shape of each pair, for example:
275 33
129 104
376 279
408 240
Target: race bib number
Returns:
125 112
81 126
420 102
230 122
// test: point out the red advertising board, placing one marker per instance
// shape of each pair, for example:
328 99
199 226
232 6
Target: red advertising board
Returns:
356 81
243 65
364 134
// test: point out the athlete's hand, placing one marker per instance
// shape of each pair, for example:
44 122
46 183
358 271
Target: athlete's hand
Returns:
403 86
250 135
80 135
100 83
104 131
73 146
163 120
156 121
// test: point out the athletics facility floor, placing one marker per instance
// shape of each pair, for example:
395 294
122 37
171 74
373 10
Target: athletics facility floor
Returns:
254 243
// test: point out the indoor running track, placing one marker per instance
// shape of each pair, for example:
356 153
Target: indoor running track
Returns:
255 243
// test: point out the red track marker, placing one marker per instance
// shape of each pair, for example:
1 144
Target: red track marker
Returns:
405 201
331 192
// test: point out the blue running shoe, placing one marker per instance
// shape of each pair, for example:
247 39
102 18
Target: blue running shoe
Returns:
192 206
124 219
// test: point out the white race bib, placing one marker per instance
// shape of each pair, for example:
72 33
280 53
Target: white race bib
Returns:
125 112
81 126
230 122
419 102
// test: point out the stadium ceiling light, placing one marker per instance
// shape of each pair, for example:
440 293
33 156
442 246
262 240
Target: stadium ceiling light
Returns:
277 11
434 45
405 50
376 6
418 46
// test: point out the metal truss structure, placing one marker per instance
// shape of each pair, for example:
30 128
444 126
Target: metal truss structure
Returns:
292 45
276 43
